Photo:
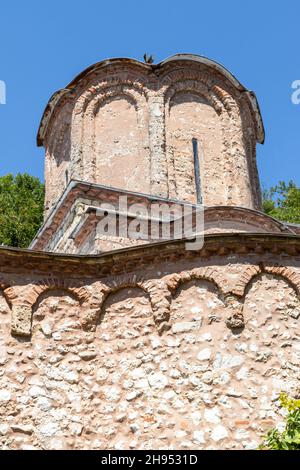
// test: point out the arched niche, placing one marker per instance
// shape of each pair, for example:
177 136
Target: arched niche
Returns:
199 301
127 317
194 139
115 142
56 317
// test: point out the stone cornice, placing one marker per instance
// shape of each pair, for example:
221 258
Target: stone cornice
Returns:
129 259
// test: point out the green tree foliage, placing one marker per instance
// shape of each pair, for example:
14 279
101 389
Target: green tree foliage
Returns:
283 202
21 209
289 438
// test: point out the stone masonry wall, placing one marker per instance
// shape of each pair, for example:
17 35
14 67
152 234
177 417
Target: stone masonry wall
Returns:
175 355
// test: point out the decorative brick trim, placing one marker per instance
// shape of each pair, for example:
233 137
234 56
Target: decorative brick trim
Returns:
156 290
87 106
198 87
160 298
7 292
42 286
106 94
23 306
227 100
232 303
245 279
291 276
105 88
189 80
127 280
206 274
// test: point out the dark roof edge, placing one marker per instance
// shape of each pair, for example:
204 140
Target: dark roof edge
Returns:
74 183
169 245
55 98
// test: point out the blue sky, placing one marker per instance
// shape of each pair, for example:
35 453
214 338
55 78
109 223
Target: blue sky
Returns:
45 44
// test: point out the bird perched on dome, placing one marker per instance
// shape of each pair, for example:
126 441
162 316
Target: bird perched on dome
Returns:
149 59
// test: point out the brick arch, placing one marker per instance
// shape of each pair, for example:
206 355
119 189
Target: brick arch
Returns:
232 303
118 282
215 285
156 291
233 122
58 140
226 99
238 119
288 274
197 88
217 92
101 94
201 274
40 287
181 279
249 273
120 287
103 86
105 98
225 107
86 113
23 307
291 276
3 293
8 292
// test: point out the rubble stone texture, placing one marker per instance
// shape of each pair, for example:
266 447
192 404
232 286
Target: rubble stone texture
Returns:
101 374
152 346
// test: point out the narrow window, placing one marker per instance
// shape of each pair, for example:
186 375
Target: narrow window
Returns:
67 176
197 171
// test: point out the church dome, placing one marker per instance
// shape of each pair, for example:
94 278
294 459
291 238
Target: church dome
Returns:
183 129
